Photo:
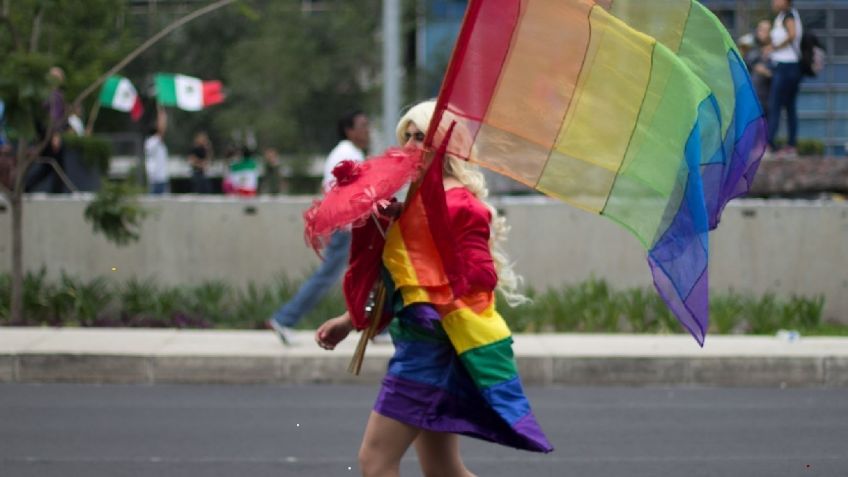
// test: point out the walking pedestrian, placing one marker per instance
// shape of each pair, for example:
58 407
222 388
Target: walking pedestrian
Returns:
354 138
453 372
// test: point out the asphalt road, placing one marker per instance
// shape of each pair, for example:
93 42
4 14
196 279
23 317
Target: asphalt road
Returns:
245 431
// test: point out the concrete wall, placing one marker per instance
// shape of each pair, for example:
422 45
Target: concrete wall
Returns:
781 246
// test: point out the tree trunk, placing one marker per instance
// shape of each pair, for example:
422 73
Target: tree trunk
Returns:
16 204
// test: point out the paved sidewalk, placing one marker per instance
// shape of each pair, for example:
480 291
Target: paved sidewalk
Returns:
235 357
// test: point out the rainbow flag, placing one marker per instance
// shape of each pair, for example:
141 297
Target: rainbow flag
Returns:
698 38
570 100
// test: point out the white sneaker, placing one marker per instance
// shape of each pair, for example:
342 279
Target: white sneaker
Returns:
286 334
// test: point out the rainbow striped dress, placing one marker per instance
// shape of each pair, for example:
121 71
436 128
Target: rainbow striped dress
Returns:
453 369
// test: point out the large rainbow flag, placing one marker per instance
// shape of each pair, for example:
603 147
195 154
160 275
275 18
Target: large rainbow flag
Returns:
656 135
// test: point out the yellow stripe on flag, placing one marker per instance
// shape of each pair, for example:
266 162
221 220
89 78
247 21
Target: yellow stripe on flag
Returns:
396 259
597 129
468 330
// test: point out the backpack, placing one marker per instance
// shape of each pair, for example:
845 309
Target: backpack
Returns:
813 55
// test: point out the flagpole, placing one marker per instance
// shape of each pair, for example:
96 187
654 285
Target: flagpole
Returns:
92 116
391 68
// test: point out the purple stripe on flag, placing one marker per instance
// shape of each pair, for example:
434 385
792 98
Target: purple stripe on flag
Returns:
530 428
433 409
679 259
744 162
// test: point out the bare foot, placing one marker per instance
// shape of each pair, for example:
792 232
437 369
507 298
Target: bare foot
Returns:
333 331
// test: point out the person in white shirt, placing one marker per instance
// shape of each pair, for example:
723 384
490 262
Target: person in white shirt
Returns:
156 155
354 135
75 120
785 56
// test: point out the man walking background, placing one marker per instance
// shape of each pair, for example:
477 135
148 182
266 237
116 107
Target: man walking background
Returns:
354 138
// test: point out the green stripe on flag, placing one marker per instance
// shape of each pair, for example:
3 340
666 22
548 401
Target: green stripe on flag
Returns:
403 330
166 90
107 94
248 165
491 364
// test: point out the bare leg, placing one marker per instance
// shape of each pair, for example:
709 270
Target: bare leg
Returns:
438 454
383 445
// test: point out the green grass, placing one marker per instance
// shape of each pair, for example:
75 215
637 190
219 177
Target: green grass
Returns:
589 306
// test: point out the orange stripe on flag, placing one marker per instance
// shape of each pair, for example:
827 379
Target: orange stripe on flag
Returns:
420 246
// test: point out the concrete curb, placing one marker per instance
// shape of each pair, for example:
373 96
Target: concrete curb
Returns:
38 355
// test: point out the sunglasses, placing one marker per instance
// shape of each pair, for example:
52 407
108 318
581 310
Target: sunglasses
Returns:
419 137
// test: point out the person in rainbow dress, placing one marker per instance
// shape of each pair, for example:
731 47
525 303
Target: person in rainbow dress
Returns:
453 372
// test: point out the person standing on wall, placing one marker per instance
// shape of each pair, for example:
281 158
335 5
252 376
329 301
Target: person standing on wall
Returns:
785 55
156 155
199 159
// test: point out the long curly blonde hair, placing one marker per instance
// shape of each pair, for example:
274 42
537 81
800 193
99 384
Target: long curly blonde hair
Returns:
473 179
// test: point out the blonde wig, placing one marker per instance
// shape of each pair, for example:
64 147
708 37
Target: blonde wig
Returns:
470 176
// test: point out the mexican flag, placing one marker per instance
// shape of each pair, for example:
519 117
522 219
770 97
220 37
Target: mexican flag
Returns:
187 93
119 94
242 179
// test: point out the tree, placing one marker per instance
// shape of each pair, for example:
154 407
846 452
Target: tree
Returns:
39 34
24 84
295 71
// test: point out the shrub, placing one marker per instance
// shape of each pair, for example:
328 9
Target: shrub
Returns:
116 213
590 306
95 151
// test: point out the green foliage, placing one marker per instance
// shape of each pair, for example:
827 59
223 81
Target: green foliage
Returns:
38 295
84 301
811 147
725 312
139 296
591 306
645 312
23 87
736 313
252 306
323 63
806 147
67 301
83 38
116 213
95 151
208 299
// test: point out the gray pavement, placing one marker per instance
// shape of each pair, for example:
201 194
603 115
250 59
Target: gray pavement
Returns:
151 356
313 430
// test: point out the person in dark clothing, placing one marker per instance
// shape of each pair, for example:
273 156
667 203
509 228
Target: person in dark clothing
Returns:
758 62
271 177
199 159
51 125
43 177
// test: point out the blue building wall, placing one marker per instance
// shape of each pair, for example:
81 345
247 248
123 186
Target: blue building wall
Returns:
823 103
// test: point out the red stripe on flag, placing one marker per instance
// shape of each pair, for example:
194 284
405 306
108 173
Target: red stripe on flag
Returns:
432 192
213 93
137 110
478 57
